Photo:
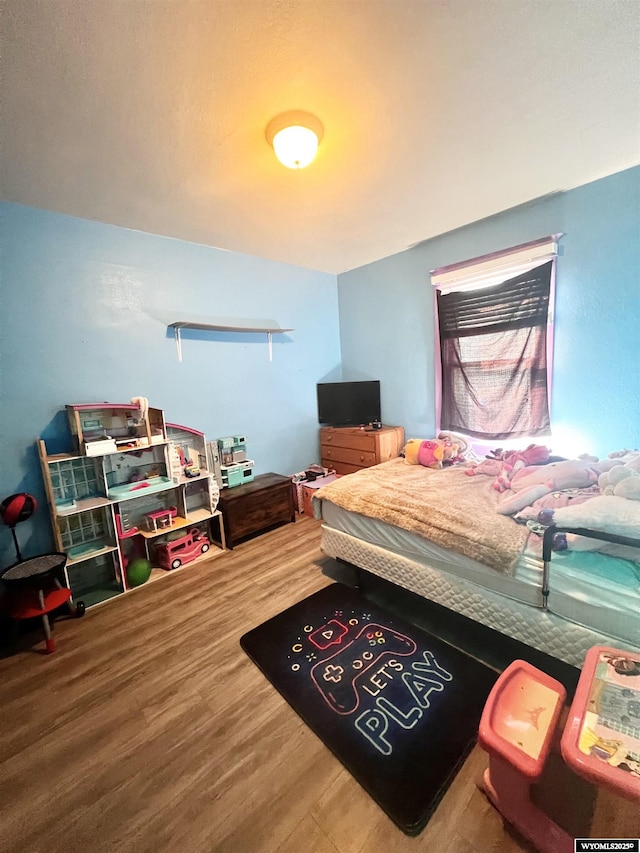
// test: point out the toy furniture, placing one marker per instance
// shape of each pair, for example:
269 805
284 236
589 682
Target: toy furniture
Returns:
520 723
33 589
235 468
601 740
160 519
516 729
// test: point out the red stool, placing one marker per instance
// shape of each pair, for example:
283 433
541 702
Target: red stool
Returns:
33 589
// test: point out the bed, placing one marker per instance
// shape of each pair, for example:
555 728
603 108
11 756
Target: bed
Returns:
440 534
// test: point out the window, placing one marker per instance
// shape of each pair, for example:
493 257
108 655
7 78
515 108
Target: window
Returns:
495 338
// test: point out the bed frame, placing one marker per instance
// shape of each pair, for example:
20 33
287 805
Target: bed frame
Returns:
547 549
537 627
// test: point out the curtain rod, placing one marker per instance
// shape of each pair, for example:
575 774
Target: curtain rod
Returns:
492 256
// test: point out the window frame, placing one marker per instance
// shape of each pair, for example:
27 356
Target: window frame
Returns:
487 270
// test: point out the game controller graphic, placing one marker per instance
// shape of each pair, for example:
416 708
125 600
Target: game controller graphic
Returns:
335 677
330 634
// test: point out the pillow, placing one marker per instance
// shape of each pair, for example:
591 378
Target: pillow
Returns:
607 513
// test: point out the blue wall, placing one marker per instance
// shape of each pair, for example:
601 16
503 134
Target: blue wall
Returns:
84 309
83 317
387 322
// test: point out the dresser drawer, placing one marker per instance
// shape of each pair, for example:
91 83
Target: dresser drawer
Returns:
341 467
347 449
354 439
361 458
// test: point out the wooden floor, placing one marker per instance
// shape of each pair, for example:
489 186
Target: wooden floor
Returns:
150 730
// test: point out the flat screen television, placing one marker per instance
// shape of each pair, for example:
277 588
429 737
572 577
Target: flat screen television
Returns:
348 403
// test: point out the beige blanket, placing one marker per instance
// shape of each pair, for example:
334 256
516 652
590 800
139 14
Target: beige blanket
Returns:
448 507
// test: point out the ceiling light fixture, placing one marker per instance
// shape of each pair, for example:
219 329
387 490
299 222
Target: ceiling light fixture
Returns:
295 136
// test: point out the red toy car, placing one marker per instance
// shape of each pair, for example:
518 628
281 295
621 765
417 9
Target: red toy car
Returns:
172 555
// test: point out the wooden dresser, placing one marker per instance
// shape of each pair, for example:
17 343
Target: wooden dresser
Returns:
347 449
256 506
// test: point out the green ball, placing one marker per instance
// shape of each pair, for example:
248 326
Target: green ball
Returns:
138 572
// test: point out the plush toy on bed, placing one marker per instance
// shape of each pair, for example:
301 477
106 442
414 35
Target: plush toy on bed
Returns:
444 450
609 513
491 466
530 484
543 508
504 464
430 453
615 510
622 480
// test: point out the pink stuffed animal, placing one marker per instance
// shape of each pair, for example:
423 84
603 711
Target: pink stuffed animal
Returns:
517 460
530 484
491 467
503 465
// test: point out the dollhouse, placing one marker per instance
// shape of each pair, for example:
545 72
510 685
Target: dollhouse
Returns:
130 485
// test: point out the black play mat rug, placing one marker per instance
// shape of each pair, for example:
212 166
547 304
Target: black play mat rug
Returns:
398 707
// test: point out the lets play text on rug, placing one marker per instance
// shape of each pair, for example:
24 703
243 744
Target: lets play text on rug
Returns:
397 706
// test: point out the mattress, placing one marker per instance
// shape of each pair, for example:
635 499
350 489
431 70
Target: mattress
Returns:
594 599
524 585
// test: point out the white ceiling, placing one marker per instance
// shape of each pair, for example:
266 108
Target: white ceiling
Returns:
150 114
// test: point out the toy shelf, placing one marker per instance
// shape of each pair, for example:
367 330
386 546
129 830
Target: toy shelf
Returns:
99 594
103 505
130 491
75 559
83 505
157 573
70 457
184 480
100 429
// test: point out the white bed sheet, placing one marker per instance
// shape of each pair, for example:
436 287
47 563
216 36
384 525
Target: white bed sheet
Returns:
608 604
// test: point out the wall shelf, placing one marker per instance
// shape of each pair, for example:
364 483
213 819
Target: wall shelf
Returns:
267 327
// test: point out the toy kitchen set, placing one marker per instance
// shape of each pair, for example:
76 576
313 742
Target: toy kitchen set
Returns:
228 460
